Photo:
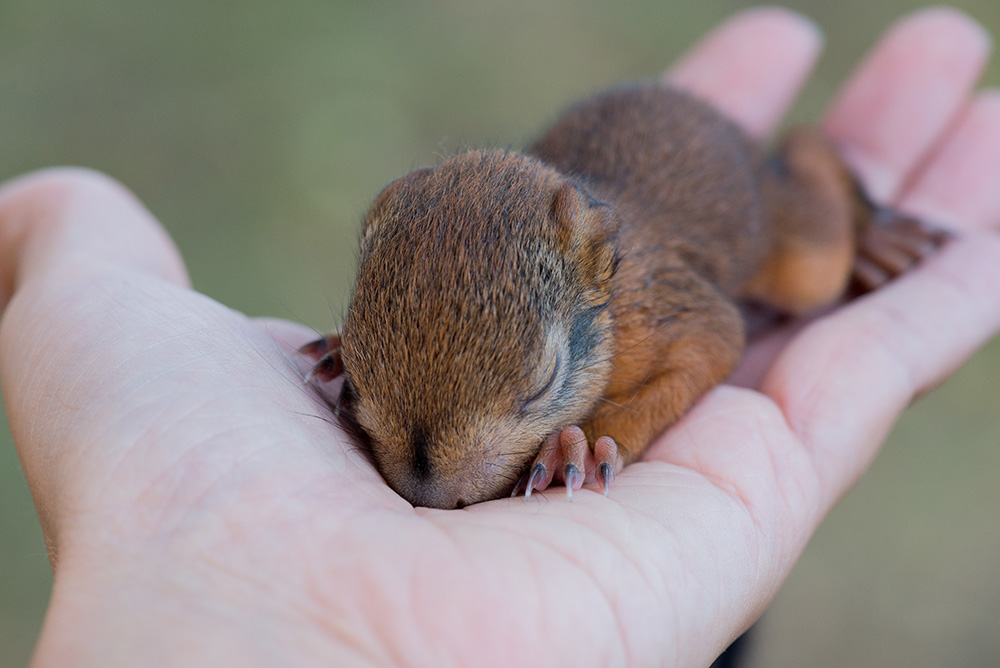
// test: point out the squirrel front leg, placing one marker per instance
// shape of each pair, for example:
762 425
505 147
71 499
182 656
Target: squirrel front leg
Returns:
666 359
674 340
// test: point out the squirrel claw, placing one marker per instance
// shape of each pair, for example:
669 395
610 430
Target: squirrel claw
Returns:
539 479
573 443
544 466
328 368
606 454
573 479
517 486
566 451
606 474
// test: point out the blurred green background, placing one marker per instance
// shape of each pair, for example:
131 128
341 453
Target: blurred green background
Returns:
258 131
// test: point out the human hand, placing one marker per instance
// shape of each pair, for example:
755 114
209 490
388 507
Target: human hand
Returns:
200 510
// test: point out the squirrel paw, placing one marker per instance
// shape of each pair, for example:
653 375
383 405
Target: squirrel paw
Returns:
327 353
569 448
892 245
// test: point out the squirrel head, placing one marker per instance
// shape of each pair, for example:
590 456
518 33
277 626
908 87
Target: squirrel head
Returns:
480 322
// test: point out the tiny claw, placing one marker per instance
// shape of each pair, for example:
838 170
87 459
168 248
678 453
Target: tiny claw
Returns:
537 473
573 479
312 372
517 486
606 474
606 454
573 443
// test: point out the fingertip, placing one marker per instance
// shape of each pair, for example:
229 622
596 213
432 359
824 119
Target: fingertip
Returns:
53 215
52 186
752 65
905 93
944 21
53 176
780 22
767 36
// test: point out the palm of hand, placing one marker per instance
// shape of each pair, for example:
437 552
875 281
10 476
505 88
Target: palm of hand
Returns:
187 438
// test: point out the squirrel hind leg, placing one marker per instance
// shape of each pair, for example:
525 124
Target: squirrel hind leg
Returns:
809 198
827 233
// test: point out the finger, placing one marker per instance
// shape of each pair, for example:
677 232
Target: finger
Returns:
959 186
885 349
839 386
74 357
905 94
61 218
957 189
751 66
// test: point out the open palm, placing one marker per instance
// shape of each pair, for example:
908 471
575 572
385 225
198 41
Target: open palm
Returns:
200 507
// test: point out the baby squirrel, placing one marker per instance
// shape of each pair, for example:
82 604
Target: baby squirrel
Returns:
514 312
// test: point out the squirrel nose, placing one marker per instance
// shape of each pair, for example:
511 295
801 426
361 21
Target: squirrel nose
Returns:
434 494
425 483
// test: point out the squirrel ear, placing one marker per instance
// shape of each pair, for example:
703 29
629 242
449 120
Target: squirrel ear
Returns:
586 230
391 197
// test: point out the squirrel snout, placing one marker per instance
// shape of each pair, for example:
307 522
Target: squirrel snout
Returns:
442 491
425 478
433 494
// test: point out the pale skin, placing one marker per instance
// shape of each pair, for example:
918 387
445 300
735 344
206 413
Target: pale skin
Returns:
198 513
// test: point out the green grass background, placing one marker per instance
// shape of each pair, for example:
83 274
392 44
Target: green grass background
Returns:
258 131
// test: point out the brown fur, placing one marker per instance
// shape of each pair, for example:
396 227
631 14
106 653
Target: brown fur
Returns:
503 296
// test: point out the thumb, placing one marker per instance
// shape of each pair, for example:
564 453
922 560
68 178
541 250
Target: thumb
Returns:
71 215
59 230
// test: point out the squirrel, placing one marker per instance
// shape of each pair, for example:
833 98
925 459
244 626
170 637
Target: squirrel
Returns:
520 317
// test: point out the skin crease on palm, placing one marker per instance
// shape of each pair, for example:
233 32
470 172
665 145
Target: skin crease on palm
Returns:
199 511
